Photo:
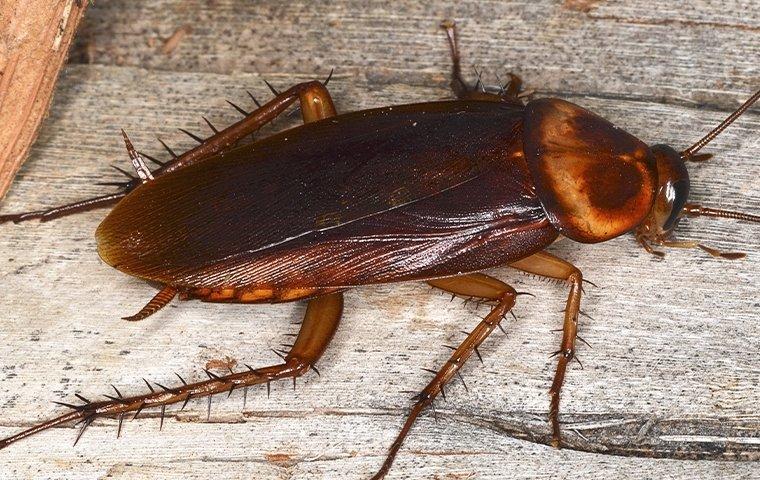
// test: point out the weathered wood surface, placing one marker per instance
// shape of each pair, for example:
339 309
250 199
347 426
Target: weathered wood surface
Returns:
673 368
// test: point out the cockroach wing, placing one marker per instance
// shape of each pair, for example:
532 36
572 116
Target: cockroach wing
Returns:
312 178
594 180
477 225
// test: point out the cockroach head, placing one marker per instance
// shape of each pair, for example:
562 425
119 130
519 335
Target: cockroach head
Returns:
672 189
671 201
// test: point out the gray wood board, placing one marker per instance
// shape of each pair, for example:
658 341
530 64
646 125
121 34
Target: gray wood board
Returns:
677 51
672 371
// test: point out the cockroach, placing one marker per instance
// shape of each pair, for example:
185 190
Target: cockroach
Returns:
433 192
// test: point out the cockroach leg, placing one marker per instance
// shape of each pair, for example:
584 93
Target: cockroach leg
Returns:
652 231
645 244
509 92
711 251
319 325
547 265
316 104
472 285
158 302
513 87
313 92
64 210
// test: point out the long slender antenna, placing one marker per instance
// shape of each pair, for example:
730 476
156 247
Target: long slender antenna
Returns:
694 210
689 152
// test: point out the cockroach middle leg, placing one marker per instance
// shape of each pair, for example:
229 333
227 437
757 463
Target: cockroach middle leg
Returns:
473 285
547 265
320 323
316 104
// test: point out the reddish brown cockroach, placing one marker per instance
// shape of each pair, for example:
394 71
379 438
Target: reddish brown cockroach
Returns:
432 192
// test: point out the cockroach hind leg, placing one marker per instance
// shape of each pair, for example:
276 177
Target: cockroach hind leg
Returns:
471 285
220 141
52 213
159 301
321 320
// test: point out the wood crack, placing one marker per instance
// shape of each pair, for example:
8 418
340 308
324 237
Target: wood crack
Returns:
619 435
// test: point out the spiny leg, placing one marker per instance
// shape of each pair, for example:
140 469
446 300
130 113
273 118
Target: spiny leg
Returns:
316 104
318 327
509 92
472 285
64 210
547 265
458 84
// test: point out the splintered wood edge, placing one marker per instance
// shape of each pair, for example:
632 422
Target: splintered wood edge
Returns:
36 45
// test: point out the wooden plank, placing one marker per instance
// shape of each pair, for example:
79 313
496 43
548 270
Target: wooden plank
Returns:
672 371
670 51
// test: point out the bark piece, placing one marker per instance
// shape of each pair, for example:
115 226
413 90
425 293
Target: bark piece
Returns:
35 36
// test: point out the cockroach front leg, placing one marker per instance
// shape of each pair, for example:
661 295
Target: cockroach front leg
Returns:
547 265
316 104
474 285
319 325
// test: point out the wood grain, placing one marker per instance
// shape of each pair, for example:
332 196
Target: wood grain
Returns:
35 36
679 51
672 372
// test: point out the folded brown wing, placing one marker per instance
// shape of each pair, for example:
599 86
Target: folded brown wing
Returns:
300 184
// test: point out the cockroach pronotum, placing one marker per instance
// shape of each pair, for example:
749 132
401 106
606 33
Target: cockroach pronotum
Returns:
432 192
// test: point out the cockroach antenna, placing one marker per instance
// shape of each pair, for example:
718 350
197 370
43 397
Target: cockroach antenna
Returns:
692 210
689 153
